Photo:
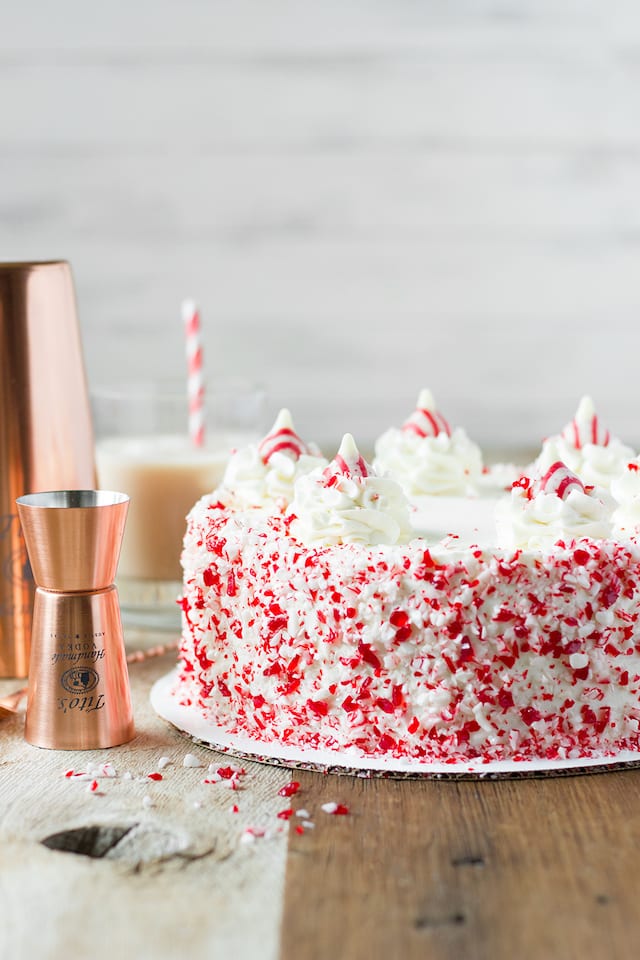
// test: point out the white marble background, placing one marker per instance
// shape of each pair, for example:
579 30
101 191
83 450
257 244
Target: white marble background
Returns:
364 197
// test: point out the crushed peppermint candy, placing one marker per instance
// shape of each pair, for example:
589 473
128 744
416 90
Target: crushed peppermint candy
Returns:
98 771
191 760
289 789
229 775
163 762
104 770
337 809
252 833
578 660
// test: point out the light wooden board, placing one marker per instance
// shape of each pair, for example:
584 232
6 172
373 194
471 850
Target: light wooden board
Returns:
181 883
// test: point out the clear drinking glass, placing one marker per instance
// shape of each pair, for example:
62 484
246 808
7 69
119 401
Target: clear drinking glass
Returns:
143 449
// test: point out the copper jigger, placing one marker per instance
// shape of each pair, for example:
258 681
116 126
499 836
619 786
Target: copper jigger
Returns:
46 437
79 695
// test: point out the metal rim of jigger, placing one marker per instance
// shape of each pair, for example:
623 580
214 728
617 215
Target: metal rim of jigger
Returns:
73 499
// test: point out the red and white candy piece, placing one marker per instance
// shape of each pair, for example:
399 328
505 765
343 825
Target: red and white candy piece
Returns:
348 461
585 427
282 438
335 809
426 421
560 480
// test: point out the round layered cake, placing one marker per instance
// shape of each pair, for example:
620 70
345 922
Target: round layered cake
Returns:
422 607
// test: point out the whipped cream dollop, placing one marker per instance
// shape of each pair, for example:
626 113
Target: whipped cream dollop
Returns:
347 502
264 474
625 490
554 506
587 448
426 457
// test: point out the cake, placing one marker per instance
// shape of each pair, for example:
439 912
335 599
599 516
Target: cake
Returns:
423 607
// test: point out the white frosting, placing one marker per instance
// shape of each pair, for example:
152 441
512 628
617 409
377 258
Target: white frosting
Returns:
456 523
498 477
250 481
625 490
595 463
533 519
442 464
349 503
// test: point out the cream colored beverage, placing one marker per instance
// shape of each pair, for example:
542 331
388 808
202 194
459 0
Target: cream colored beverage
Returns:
163 476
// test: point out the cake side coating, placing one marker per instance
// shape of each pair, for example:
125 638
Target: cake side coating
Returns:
410 650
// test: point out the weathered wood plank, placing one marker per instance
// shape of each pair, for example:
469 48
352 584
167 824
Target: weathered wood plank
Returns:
180 883
538 869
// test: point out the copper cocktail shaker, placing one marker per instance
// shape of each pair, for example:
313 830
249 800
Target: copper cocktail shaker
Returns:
46 439
78 681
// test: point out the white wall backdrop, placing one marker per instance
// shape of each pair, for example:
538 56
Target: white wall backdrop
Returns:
365 198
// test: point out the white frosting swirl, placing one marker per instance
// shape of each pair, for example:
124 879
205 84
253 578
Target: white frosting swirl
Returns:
446 463
250 480
594 462
348 503
533 519
625 490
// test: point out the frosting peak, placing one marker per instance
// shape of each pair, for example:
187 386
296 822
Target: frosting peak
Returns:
585 427
348 460
264 474
282 438
426 457
587 448
426 420
552 507
347 502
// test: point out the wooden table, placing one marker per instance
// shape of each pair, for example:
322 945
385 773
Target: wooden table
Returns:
427 869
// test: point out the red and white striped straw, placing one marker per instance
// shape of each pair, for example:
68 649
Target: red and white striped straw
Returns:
195 379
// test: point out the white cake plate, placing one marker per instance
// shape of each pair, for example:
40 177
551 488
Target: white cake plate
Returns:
191 722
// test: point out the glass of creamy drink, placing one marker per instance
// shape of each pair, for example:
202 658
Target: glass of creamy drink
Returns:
143 448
